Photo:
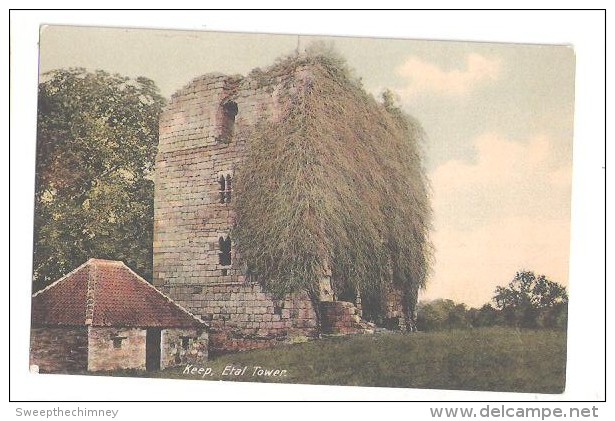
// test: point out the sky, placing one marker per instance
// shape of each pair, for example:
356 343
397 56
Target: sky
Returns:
498 120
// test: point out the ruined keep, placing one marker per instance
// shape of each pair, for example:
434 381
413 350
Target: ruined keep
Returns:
206 132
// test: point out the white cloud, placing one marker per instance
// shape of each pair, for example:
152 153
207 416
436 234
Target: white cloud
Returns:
425 77
507 211
508 178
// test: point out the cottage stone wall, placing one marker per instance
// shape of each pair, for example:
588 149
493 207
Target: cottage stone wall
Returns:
59 349
104 355
183 346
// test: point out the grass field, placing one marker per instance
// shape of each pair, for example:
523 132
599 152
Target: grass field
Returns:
489 359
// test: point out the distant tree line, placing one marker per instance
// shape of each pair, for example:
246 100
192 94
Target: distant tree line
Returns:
529 301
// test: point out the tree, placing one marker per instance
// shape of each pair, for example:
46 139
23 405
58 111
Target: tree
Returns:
484 316
442 314
532 301
96 144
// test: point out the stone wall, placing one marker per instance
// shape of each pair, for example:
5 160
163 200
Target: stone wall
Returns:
394 312
198 144
188 216
183 346
242 316
342 318
106 354
59 349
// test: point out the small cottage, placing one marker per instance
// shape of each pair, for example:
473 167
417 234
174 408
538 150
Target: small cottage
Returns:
102 316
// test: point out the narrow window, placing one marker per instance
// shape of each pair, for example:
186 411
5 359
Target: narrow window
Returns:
225 187
228 189
222 183
227 124
224 256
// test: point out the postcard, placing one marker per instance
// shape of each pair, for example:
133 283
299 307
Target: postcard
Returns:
302 209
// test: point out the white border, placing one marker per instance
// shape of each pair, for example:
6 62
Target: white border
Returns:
584 30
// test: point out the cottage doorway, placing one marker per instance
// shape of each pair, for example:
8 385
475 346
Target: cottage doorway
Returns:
152 349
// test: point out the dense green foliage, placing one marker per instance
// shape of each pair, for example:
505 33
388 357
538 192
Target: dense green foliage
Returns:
533 301
336 186
442 314
498 359
96 144
529 301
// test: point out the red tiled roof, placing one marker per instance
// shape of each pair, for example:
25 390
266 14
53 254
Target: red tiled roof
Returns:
107 293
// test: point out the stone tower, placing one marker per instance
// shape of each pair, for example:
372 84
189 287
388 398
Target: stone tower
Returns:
204 135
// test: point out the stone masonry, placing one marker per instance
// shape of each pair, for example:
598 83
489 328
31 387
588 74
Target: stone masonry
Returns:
102 317
59 349
103 355
183 346
204 134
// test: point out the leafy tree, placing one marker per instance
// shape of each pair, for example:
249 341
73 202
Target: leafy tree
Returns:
96 144
532 301
442 314
484 316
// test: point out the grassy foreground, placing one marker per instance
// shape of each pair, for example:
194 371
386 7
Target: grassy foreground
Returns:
488 359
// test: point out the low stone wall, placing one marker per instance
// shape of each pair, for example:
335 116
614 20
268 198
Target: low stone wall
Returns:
242 316
183 346
59 349
106 354
342 318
